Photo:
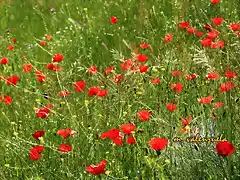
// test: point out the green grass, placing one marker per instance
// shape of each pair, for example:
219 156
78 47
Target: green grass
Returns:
83 34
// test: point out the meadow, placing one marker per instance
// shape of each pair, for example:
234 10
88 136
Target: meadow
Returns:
125 89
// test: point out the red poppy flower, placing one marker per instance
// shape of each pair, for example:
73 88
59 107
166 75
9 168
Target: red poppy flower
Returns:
217 20
142 57
184 25
206 100
131 140
58 57
53 67
199 33
35 152
186 121
168 38
177 73
97 169
41 78
38 134
65 148
43 43
155 81
215 1
64 93
49 37
127 65
79 86
93 91
127 128
118 78
42 112
118 141
27 67
102 93
225 148
191 30
111 134
113 20
143 68
230 74
212 34
191 77
144 115
158 144
212 76
92 70
225 87
171 107
65 133
6 100
4 60
10 48
235 27
12 80
218 105
219 44
109 69
178 87
206 42
144 45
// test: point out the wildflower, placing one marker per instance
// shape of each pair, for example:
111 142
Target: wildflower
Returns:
184 25
225 148
206 100
155 80
191 30
131 140
225 87
64 93
113 20
217 20
6 100
127 65
215 1
199 33
27 67
35 152
168 38
212 76
218 105
127 128
79 86
171 107
38 134
42 112
142 57
144 115
206 42
102 93
12 80
177 73
144 45
158 144
10 48
93 91
92 70
43 43
53 67
58 57
65 148
230 74
143 68
97 169
4 60
109 69
178 87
